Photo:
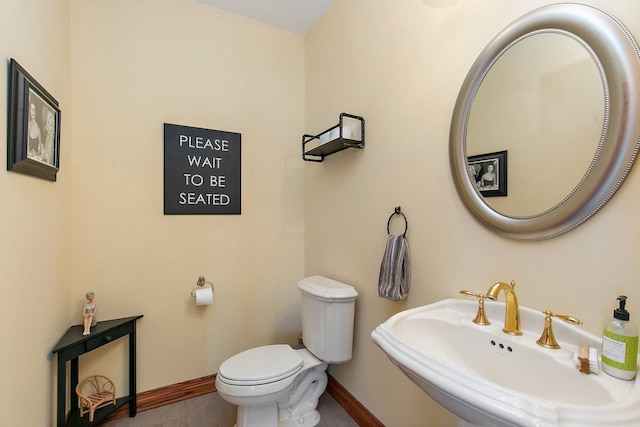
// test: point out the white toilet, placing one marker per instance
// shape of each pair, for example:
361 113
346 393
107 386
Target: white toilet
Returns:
277 385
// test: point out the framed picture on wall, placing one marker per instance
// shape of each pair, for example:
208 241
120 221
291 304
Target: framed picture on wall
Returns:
33 130
489 173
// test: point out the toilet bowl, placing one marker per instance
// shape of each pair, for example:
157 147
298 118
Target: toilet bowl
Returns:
273 385
279 386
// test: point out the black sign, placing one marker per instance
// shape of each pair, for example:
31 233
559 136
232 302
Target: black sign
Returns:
201 171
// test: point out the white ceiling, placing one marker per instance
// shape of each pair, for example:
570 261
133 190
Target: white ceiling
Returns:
294 16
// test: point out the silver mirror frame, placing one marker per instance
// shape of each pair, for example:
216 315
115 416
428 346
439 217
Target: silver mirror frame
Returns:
617 56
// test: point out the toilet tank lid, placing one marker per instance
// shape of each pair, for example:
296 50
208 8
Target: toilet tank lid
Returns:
327 289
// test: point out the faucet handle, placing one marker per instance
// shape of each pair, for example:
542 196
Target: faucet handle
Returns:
547 339
481 317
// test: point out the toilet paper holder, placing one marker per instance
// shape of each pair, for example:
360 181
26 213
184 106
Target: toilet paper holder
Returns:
201 283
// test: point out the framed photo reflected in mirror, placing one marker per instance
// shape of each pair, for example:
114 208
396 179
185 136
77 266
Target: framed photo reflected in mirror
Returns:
488 172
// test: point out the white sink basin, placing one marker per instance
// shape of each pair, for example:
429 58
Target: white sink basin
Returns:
488 377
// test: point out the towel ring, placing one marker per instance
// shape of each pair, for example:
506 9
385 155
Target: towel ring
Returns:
398 211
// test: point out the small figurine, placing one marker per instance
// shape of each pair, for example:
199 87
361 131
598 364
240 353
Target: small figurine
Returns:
89 312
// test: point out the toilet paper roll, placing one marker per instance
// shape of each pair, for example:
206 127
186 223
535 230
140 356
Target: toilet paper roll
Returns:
204 296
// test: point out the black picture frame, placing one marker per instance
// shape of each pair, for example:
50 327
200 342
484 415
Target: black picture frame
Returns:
33 128
494 165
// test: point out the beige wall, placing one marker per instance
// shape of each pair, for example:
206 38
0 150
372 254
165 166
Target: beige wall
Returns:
137 65
400 65
129 67
36 222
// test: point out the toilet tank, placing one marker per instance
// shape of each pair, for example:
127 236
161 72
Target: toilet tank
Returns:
328 308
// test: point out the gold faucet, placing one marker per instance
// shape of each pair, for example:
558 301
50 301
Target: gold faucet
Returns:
512 311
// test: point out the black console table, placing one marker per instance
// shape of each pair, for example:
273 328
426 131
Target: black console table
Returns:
71 346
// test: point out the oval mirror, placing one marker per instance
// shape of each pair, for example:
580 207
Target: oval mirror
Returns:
564 122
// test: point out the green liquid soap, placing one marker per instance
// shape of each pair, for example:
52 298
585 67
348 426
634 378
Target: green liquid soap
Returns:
620 344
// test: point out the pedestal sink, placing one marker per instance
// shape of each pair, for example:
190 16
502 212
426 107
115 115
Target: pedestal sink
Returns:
490 378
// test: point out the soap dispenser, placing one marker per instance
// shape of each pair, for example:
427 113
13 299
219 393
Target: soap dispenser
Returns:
620 344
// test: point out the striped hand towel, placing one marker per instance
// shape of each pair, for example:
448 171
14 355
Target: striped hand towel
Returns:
394 280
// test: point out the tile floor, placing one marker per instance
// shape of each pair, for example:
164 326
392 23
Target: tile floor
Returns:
210 410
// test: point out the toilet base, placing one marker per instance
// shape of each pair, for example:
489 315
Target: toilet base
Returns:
309 419
297 408
249 416
288 402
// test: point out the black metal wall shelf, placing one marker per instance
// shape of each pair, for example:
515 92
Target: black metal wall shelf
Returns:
332 140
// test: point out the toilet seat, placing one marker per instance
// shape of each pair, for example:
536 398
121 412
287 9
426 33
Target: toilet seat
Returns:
261 365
